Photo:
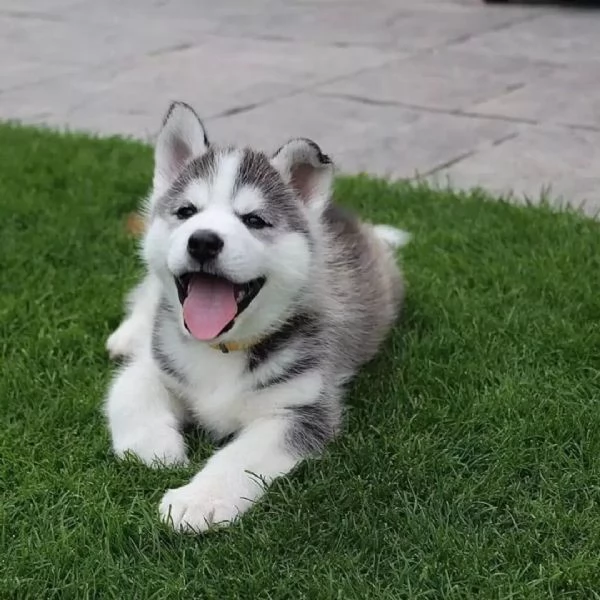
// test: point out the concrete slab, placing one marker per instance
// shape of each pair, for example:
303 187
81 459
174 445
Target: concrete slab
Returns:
46 8
220 76
561 162
564 37
110 11
24 73
446 79
385 140
396 25
60 42
566 96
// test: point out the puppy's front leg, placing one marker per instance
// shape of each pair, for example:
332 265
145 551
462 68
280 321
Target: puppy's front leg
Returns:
235 477
127 339
143 417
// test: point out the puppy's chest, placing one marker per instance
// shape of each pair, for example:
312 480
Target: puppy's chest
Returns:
217 388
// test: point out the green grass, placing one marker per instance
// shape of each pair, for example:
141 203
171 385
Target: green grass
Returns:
470 465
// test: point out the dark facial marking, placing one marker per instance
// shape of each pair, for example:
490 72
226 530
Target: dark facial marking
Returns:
256 170
280 205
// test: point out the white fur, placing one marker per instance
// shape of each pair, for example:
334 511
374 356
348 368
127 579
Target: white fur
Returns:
181 139
222 187
396 238
232 480
143 417
247 200
129 336
197 192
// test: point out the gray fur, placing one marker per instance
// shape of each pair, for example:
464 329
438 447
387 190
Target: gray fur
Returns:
256 170
346 322
302 331
363 277
312 427
283 210
358 297
302 325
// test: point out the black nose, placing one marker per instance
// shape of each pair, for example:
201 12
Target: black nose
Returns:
204 245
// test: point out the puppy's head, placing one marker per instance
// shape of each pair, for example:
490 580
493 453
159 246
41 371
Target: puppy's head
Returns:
231 230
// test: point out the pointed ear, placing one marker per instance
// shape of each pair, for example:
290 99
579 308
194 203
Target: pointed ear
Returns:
181 139
307 170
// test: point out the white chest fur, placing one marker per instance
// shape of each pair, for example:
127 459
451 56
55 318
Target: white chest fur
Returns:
214 386
219 390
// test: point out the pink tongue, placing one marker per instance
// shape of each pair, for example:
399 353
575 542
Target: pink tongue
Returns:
209 306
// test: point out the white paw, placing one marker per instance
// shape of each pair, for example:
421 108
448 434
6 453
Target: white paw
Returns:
201 505
154 447
124 340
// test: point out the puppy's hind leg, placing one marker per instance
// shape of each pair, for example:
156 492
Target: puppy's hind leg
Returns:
141 307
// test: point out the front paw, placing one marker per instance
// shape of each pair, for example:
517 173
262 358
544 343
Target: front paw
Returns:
198 506
155 448
123 342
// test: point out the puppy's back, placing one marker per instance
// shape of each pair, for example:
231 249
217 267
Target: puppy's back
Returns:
364 284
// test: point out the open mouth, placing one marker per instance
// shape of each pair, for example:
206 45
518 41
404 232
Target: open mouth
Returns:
211 303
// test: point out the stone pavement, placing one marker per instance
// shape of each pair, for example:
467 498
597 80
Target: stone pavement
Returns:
502 96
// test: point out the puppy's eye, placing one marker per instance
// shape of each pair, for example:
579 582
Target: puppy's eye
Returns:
186 211
253 221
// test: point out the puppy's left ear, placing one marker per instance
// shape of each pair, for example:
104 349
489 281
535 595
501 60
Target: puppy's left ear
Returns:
307 170
181 139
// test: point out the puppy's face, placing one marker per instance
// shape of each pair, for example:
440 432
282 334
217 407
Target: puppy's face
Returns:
230 230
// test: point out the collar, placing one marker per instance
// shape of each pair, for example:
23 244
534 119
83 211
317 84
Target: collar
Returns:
227 347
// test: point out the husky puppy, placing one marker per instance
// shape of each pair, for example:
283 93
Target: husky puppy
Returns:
261 300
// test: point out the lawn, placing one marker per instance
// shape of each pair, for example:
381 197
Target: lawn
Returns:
470 463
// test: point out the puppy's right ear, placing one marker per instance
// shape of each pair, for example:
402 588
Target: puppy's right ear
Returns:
181 139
